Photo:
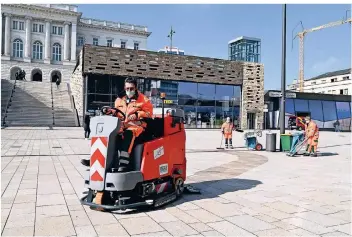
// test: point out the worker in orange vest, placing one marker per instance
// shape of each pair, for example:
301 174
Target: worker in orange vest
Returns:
312 134
135 106
226 130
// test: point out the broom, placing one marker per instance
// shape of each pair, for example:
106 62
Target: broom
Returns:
221 148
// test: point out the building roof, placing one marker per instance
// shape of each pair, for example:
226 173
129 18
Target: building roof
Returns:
243 38
331 74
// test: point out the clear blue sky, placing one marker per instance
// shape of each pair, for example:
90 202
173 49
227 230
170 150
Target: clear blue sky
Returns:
204 30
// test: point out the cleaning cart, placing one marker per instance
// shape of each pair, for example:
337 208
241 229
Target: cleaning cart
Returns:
251 140
298 142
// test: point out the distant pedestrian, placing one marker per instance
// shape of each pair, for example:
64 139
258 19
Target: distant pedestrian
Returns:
337 126
58 81
86 126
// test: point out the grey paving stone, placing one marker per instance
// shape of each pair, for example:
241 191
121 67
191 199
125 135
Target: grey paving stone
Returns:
250 223
128 214
111 230
283 225
80 218
342 215
23 208
181 215
161 216
273 232
285 207
203 215
25 198
178 228
72 199
220 209
140 225
155 234
50 199
19 231
307 225
20 220
302 232
211 233
321 219
101 218
52 210
53 225
200 227
335 233
228 229
87 230
265 218
346 228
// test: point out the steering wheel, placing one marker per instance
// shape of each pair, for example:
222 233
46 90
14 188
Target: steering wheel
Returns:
116 111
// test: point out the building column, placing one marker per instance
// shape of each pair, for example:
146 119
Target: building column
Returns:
47 56
27 49
67 42
73 41
7 35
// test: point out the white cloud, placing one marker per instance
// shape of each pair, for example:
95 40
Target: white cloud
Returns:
325 66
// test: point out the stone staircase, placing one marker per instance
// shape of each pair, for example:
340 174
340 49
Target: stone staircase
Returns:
63 112
6 88
36 104
31 105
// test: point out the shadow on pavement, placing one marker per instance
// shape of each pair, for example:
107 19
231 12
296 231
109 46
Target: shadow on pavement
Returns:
209 190
327 154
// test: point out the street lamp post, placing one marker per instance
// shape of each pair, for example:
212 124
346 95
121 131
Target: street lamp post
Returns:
172 32
283 73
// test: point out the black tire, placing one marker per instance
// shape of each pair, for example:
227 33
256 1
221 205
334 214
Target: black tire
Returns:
179 187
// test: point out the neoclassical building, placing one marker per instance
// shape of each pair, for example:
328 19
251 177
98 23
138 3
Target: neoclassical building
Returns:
44 39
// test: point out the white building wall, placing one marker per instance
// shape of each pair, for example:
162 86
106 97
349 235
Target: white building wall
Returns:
326 86
58 15
117 37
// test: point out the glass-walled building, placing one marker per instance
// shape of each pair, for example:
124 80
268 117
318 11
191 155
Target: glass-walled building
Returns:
205 105
245 49
324 109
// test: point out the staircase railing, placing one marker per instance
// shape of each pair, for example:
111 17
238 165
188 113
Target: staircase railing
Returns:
73 105
52 102
8 103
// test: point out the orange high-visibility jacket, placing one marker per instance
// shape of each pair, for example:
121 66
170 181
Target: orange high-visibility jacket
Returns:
141 106
312 132
227 128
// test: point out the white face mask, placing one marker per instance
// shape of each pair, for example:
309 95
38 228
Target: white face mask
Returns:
130 94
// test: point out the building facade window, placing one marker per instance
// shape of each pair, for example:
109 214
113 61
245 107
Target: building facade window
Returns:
123 44
95 41
57 52
59 30
38 50
35 27
136 46
346 78
80 41
345 91
15 25
21 25
54 30
314 83
17 48
109 43
333 79
41 28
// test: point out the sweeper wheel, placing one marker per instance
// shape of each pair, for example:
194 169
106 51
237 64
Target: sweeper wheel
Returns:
179 187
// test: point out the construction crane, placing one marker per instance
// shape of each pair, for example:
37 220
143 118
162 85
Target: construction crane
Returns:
301 46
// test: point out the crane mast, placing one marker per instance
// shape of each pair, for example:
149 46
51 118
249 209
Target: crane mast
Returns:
301 36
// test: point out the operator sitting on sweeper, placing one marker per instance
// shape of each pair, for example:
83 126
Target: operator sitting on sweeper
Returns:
227 129
136 106
312 134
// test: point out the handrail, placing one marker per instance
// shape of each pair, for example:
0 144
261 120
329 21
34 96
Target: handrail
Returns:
8 102
52 102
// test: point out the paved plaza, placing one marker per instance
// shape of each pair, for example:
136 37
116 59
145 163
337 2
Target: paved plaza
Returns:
244 193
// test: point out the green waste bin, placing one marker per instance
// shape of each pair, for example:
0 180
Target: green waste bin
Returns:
286 141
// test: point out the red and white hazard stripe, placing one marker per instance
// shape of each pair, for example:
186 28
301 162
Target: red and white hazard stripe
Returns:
161 187
98 154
